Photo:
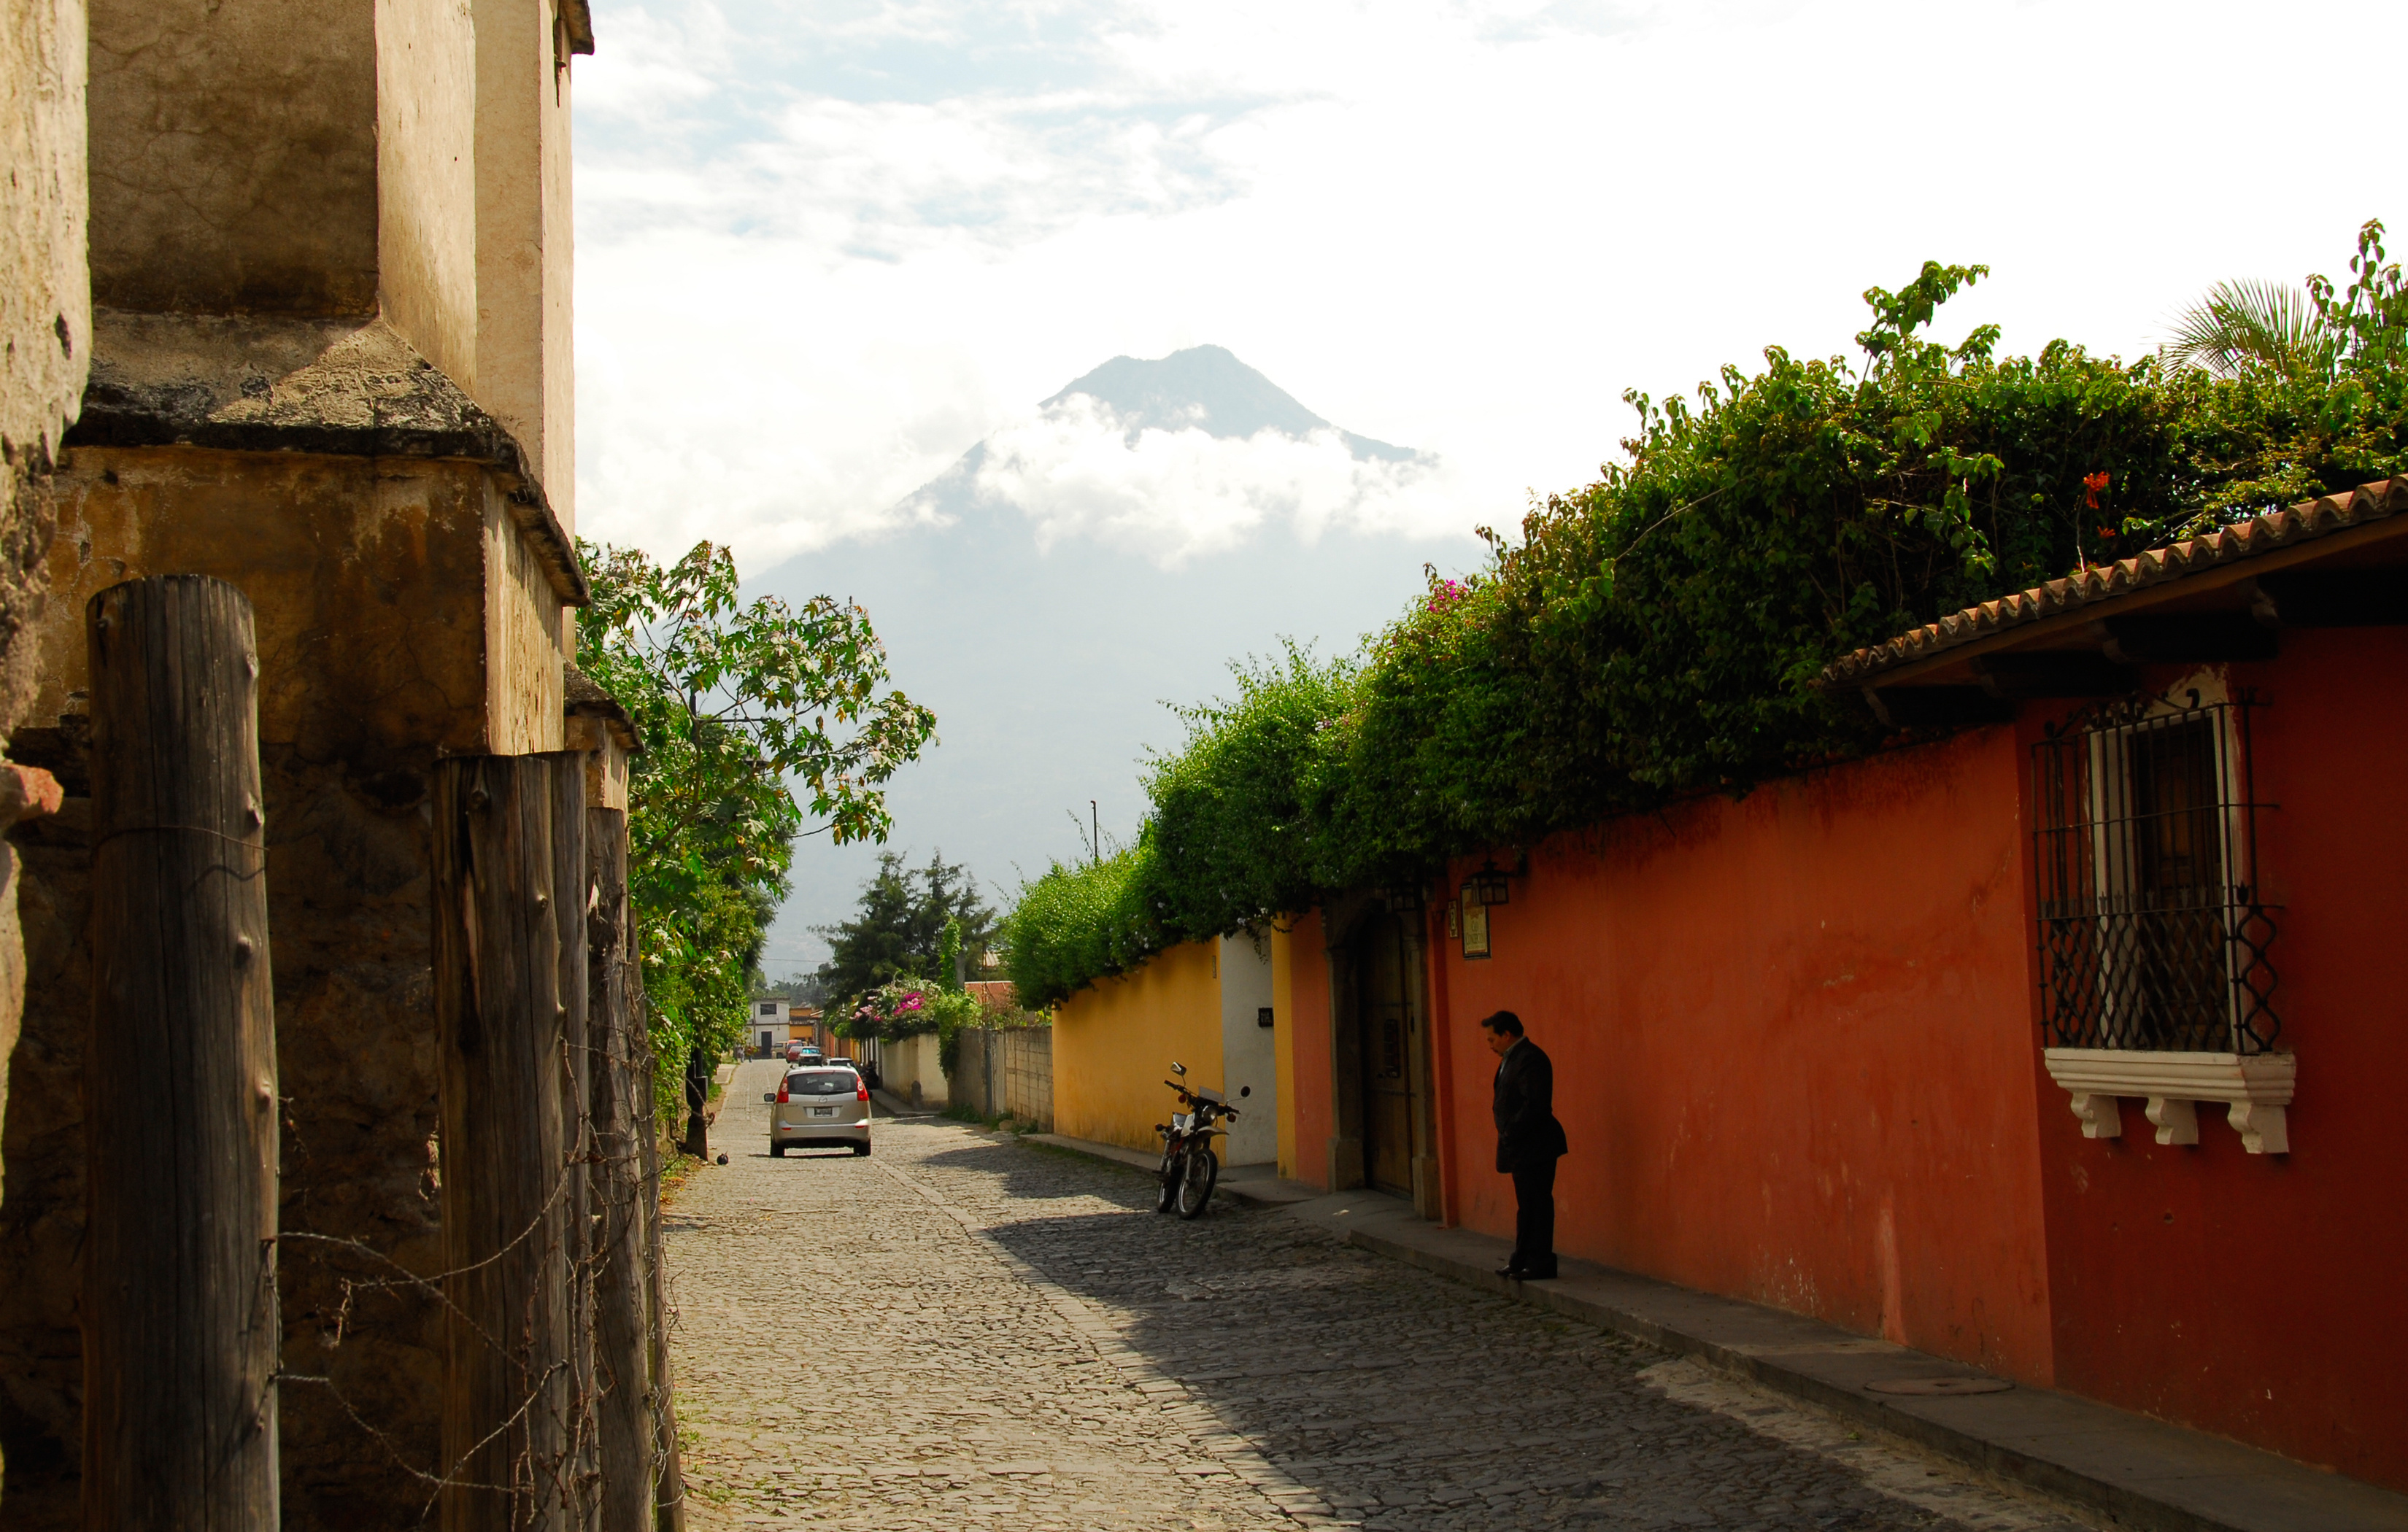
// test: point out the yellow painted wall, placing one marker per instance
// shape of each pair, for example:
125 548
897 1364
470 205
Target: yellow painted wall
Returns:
1114 1042
1283 1049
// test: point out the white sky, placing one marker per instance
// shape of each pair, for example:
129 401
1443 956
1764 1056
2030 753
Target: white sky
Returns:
824 248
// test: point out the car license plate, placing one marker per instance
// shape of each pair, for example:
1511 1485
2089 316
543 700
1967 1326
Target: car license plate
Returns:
823 1111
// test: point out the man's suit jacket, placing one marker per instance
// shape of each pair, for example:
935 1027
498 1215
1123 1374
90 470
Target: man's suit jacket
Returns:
1527 1134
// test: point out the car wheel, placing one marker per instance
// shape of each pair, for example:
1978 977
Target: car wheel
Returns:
776 1150
860 1152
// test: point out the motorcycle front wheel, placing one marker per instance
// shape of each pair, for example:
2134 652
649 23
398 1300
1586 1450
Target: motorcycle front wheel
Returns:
1172 1166
1196 1186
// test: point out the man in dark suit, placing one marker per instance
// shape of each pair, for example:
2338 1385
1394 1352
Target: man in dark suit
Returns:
1529 1141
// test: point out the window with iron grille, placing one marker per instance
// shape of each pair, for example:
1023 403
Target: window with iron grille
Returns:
2152 936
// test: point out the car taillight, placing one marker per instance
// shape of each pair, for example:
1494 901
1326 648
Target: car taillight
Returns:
782 1095
862 1095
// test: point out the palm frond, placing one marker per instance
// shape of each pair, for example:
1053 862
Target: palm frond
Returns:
2253 327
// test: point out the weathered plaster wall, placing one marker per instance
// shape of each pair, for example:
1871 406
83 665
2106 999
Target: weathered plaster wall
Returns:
524 658
234 152
2258 1295
44 350
524 366
1114 1041
426 179
45 307
45 296
372 581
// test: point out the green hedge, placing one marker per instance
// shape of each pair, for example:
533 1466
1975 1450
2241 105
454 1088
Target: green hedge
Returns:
1658 633
1081 923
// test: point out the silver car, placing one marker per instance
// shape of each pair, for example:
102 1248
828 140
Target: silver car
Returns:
816 1105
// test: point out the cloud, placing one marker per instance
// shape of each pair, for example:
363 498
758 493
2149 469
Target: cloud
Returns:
823 250
1078 471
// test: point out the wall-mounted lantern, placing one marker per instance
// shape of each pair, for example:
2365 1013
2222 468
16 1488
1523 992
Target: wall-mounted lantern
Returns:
1263 1016
1486 887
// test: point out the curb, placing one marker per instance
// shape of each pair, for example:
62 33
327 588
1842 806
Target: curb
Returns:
2141 1472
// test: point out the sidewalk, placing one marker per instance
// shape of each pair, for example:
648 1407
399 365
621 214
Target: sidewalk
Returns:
895 1105
2141 1472
1255 1185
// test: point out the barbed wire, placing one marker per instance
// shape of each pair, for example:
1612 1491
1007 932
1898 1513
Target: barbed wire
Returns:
599 1211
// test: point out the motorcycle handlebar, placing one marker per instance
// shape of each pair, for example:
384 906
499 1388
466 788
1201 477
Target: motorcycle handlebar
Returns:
1223 1107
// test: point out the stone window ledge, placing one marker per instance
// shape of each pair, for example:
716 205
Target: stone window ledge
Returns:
2255 1089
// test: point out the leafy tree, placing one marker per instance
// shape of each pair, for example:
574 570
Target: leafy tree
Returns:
1081 922
735 706
897 930
1233 807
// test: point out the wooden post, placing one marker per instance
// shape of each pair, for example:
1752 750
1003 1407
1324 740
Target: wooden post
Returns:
498 1023
179 1313
622 1333
572 891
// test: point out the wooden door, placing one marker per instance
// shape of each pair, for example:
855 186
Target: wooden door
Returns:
1391 1036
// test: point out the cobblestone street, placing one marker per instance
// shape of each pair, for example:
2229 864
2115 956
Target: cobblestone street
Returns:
960 1332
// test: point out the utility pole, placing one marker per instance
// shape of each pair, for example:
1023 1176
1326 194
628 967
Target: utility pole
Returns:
1095 833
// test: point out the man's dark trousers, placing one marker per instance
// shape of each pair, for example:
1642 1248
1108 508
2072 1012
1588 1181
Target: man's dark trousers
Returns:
1534 1218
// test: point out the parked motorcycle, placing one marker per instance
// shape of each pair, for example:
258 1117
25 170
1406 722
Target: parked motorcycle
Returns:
1190 1169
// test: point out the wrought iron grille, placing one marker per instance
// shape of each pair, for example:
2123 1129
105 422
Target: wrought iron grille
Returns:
2151 933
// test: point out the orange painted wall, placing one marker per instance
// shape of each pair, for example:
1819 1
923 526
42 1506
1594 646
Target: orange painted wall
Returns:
2261 1296
1308 1090
1794 1050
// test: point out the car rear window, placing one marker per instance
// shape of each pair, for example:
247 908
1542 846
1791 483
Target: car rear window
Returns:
821 1082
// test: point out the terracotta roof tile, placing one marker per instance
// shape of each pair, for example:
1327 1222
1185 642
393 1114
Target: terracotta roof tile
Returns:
2259 535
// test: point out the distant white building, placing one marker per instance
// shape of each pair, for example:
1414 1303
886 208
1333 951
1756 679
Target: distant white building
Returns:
771 1026
776 1023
